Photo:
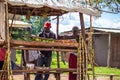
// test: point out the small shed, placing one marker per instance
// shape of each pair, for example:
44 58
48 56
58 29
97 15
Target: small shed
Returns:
106 45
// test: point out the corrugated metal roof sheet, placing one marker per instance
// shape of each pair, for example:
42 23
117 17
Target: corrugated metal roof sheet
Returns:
65 5
107 30
111 30
19 24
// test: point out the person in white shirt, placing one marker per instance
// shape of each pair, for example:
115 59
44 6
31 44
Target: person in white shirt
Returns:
32 56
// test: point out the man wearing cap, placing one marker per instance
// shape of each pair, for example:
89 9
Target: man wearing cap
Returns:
46 56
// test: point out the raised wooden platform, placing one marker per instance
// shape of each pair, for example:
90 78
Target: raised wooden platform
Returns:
48 46
43 44
44 70
38 45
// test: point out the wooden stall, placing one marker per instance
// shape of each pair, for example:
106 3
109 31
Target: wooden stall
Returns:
48 8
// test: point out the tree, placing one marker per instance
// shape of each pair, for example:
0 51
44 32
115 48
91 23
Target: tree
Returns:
111 6
37 23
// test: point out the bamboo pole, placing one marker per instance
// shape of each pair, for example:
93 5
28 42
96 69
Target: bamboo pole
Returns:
9 73
83 61
91 49
79 60
86 60
46 49
81 55
82 25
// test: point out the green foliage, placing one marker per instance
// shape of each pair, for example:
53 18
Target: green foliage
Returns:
37 23
111 6
19 33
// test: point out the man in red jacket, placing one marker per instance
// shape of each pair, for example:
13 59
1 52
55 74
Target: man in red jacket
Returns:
2 57
73 56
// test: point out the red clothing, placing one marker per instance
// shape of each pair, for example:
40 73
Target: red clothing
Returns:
2 54
72 64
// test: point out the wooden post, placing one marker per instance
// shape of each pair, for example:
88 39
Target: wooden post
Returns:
9 71
82 25
57 29
58 60
26 75
111 77
109 44
6 36
83 35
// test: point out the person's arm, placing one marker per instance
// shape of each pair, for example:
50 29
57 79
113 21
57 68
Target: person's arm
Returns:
65 37
55 37
23 57
40 34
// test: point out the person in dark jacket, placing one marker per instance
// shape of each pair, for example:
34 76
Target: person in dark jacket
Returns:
46 56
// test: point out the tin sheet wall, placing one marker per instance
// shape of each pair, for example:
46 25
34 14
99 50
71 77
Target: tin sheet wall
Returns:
2 20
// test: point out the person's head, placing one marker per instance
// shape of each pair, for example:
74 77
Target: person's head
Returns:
47 26
75 30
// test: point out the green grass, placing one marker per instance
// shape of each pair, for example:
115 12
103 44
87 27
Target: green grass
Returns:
53 64
18 56
98 70
107 70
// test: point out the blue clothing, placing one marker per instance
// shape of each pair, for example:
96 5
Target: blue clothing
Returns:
43 61
1 64
13 65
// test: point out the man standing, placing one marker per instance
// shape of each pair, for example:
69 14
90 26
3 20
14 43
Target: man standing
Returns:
2 57
72 57
46 56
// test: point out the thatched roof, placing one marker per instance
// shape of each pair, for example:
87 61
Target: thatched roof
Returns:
51 7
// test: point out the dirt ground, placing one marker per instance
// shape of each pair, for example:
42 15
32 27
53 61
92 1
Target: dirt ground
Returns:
52 77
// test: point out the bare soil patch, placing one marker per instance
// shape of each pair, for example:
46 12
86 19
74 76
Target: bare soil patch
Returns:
52 77
32 76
